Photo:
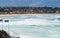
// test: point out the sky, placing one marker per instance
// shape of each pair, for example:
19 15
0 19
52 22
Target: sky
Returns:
31 3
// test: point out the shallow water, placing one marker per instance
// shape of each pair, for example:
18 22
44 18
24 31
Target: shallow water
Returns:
33 26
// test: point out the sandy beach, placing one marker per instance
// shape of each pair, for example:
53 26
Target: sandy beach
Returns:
13 15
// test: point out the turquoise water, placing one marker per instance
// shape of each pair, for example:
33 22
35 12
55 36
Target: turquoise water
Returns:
33 26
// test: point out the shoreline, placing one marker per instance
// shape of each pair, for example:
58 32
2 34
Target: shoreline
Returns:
13 15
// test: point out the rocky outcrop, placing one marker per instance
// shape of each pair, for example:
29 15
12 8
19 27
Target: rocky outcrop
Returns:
4 34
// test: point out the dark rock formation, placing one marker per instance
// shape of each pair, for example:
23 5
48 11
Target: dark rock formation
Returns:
3 34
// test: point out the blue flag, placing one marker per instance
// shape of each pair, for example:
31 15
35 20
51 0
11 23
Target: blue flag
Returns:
1 20
6 20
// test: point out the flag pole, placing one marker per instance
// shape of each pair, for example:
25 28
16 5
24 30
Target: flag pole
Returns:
2 24
8 26
1 20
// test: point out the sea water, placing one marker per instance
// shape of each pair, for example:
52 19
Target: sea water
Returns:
32 26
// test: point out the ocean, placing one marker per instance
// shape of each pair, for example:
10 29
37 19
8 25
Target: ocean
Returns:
32 26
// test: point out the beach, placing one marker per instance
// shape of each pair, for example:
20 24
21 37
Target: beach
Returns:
13 15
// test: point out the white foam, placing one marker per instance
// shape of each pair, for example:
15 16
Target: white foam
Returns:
32 22
25 36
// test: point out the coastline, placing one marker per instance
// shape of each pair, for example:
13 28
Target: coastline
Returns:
13 15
